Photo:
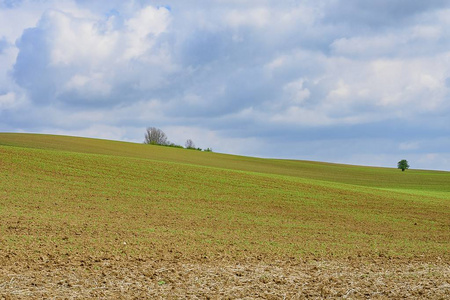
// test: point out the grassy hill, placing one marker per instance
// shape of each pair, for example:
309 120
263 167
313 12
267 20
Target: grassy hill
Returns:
68 199
208 203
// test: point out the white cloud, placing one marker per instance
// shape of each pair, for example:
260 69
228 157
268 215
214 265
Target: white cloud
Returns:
143 28
93 85
400 87
301 116
7 60
427 32
74 41
87 59
296 92
340 92
367 46
259 17
8 100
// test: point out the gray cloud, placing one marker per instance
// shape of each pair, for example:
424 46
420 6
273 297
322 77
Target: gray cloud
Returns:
10 3
381 13
3 45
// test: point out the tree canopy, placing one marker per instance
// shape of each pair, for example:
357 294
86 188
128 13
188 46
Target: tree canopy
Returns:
189 144
155 136
403 165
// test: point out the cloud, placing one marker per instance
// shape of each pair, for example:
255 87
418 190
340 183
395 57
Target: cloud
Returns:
245 76
10 3
7 100
80 61
3 45
381 13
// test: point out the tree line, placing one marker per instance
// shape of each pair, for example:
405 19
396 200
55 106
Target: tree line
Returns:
155 136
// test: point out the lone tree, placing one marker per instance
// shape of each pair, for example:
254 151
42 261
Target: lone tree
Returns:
403 164
189 144
155 136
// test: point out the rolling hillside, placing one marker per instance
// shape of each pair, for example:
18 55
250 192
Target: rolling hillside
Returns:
69 201
366 176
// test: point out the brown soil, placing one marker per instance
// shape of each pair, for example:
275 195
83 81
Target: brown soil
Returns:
140 279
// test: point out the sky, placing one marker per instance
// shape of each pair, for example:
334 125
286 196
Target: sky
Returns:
344 81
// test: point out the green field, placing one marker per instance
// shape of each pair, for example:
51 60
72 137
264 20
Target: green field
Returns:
68 199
